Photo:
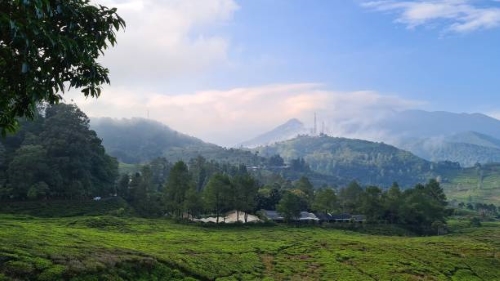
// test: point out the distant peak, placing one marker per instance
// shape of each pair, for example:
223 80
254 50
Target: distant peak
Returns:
294 121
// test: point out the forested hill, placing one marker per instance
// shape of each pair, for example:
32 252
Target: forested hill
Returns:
349 159
55 156
139 140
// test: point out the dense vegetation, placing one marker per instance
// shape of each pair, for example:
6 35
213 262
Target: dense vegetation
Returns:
204 187
348 159
477 184
63 160
140 140
56 156
114 248
324 160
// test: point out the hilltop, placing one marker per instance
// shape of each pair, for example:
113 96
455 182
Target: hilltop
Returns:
139 140
435 136
350 159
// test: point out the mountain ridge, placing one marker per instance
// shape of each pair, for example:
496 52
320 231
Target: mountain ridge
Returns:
467 138
287 130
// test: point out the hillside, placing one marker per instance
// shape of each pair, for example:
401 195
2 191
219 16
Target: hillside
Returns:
465 148
140 140
435 136
475 184
420 123
289 130
350 159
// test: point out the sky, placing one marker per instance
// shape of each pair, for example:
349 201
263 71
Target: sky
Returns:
228 70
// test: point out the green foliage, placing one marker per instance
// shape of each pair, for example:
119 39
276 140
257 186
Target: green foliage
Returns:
348 159
350 197
58 157
137 140
246 189
473 184
289 206
46 44
156 249
475 222
325 201
307 189
218 194
179 182
66 208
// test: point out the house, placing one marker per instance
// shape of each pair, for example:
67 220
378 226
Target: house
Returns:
307 217
324 217
273 215
341 218
277 217
358 218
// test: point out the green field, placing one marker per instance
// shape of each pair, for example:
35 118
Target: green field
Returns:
113 248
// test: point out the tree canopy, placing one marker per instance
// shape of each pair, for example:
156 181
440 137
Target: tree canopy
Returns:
47 46
59 157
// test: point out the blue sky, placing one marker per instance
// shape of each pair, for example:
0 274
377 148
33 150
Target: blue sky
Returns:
348 47
220 68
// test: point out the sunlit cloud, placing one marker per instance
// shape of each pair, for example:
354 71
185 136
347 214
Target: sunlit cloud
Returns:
228 117
459 16
494 114
167 40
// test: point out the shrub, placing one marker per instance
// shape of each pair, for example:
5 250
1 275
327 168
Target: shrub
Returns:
475 222
53 273
19 268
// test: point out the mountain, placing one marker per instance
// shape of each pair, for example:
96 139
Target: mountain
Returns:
420 123
444 136
435 136
466 148
475 138
331 161
139 140
288 130
352 159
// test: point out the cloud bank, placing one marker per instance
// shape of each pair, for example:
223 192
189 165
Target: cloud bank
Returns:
228 117
167 40
458 16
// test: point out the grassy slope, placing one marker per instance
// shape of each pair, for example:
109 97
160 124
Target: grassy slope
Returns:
93 246
474 184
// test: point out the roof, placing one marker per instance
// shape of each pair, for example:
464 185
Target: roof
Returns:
341 217
324 216
306 216
358 217
272 215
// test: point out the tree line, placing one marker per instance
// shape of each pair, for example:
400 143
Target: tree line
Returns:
58 156
55 156
200 187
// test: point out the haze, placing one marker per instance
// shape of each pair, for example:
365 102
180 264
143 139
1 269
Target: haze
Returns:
226 71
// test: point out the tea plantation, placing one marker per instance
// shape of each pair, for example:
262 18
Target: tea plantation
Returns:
116 248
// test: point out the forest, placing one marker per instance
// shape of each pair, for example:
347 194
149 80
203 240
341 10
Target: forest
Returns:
57 156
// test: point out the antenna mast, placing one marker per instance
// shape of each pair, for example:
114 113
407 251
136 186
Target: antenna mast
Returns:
315 130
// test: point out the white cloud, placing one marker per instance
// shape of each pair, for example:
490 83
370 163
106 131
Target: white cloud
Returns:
227 117
494 114
460 16
167 40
